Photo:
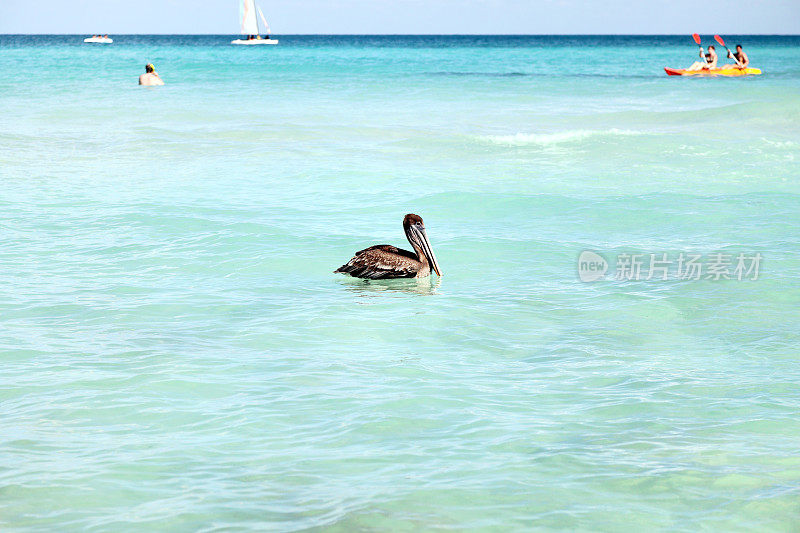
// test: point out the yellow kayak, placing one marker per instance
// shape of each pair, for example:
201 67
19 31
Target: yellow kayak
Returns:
749 71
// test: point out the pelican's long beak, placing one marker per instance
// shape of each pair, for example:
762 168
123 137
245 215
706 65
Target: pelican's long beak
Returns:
421 237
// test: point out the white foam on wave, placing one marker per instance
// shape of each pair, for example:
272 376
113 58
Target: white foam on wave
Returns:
779 144
545 139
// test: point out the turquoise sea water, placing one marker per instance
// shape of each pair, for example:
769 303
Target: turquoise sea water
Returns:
177 354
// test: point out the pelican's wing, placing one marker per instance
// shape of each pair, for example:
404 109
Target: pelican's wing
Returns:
381 262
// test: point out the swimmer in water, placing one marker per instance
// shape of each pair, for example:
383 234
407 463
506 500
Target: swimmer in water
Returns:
150 76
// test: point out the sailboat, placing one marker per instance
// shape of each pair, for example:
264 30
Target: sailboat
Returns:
249 24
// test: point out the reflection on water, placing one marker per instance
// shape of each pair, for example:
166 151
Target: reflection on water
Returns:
375 287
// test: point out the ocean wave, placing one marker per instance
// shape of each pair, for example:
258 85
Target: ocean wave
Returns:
545 139
482 74
779 144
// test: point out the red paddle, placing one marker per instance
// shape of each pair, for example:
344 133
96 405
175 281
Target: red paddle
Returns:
697 40
730 54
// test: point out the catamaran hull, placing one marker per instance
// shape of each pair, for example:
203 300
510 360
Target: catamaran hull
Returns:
254 41
98 40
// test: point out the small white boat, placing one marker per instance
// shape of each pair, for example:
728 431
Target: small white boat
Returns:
99 40
257 40
249 25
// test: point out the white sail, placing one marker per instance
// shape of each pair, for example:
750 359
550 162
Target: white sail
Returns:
261 14
247 16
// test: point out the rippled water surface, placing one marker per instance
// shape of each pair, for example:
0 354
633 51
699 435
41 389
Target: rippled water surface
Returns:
178 355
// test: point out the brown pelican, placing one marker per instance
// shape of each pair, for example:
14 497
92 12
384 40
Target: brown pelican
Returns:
384 261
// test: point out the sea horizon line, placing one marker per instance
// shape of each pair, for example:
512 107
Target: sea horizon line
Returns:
427 34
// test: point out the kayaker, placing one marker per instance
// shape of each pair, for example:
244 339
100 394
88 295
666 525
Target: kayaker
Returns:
740 57
710 59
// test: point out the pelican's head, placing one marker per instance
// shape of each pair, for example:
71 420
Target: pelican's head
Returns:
415 231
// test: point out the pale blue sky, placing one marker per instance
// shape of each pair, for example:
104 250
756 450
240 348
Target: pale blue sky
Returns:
404 16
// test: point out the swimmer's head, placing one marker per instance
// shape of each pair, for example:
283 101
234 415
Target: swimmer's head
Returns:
149 67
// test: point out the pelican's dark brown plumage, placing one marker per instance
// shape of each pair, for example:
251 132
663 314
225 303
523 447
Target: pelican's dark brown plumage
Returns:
385 261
